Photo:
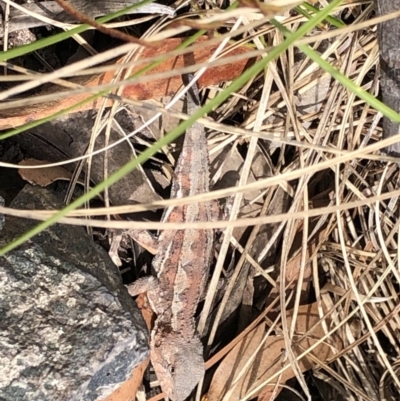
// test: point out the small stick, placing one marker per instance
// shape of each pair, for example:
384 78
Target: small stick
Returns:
68 8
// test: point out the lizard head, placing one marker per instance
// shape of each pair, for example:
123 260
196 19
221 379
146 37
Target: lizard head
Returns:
179 366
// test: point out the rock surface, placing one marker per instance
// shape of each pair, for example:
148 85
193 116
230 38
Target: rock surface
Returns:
68 328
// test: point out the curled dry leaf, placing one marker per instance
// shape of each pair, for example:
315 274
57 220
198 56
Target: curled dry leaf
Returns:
138 91
42 176
269 360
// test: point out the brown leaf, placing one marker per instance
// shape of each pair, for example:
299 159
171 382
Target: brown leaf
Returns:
143 304
154 89
128 390
269 359
42 176
293 265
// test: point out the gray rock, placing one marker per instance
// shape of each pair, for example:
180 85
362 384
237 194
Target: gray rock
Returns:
68 328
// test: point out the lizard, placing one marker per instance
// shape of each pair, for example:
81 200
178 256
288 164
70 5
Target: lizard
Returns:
181 265
183 257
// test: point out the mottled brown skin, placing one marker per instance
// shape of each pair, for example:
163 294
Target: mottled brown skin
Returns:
181 264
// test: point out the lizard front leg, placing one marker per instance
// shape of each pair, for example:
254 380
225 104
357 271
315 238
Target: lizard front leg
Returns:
142 237
141 285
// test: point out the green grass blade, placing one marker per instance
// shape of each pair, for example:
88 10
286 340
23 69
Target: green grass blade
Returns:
305 9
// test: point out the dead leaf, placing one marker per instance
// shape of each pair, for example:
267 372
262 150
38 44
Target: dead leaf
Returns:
268 361
141 91
293 265
143 304
42 176
128 390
